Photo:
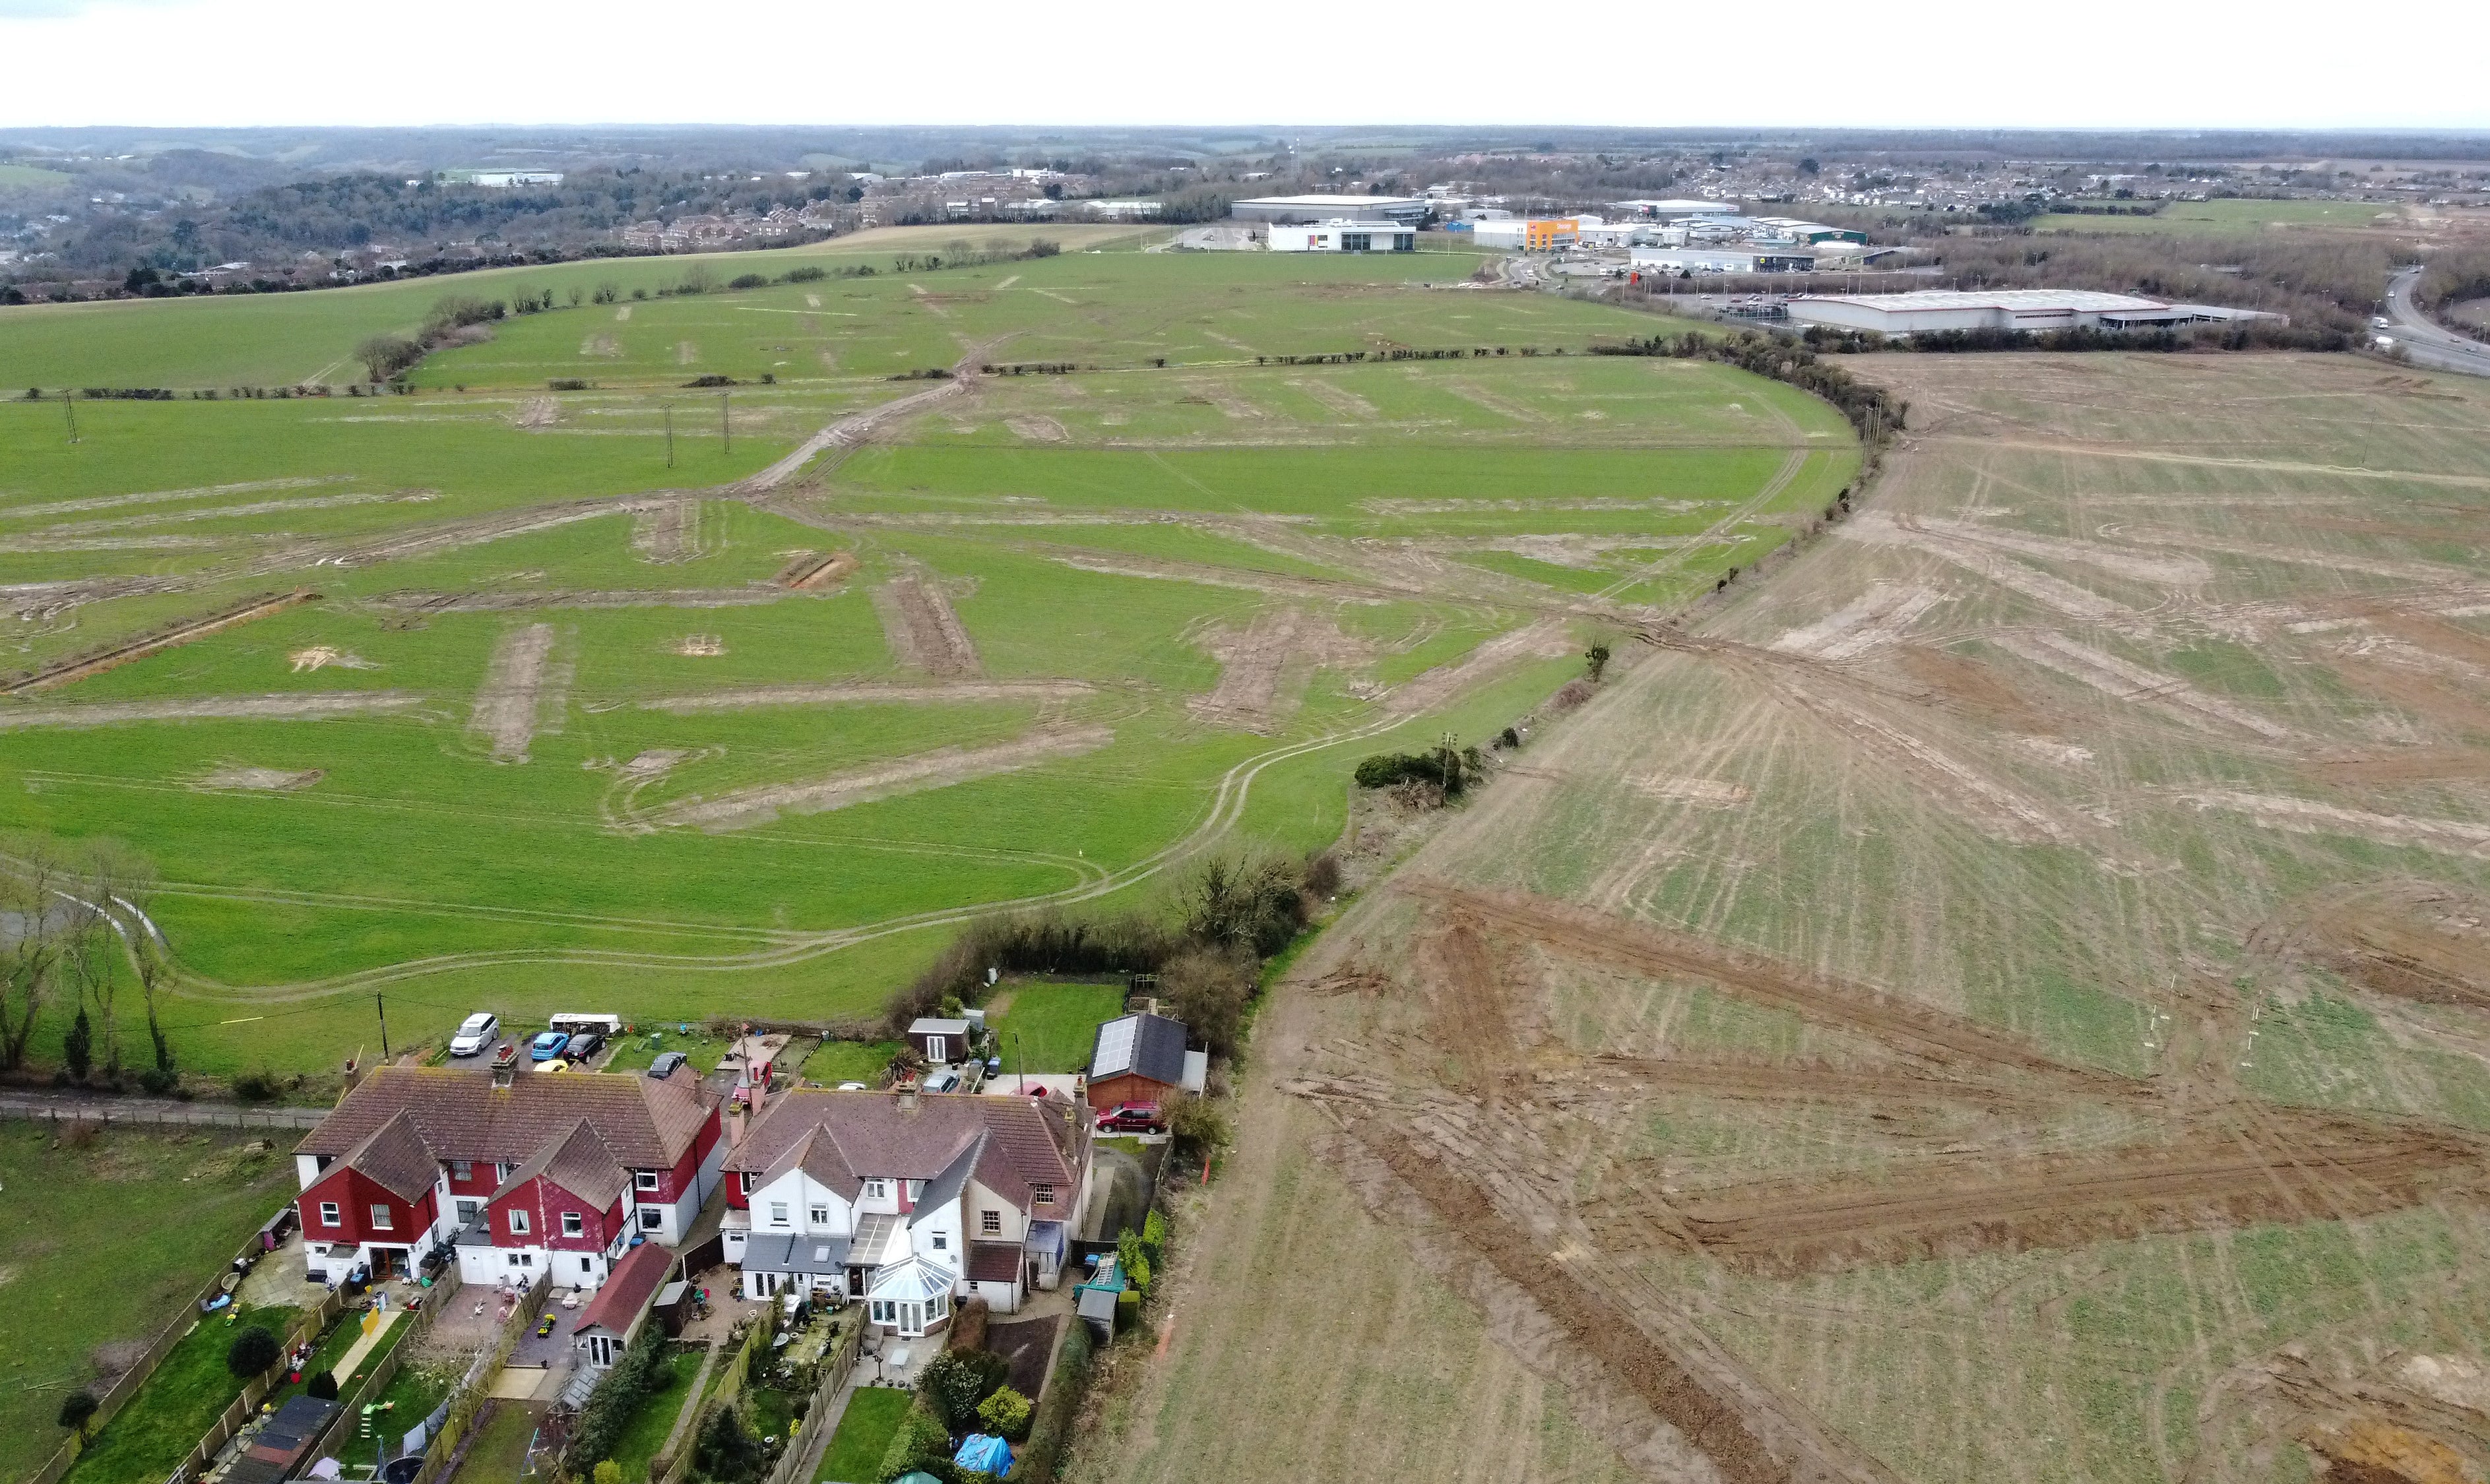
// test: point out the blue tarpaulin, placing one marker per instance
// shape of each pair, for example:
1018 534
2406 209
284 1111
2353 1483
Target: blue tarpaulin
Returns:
985 1454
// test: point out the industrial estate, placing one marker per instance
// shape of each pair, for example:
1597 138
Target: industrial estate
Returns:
828 807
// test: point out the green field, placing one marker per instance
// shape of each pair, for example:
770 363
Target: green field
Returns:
13 174
85 1267
2229 217
549 727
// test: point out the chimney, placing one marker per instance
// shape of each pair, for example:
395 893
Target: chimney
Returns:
908 1100
502 1075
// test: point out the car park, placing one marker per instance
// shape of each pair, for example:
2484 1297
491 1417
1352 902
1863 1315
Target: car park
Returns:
547 1045
1133 1118
475 1033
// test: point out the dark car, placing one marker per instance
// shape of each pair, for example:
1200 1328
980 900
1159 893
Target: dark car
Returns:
666 1063
1134 1117
582 1045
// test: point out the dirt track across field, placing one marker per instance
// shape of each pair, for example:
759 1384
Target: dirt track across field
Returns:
923 631
867 694
521 684
748 808
307 705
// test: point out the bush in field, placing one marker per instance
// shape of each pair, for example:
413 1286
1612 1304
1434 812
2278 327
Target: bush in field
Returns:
252 1352
1253 904
386 356
76 1407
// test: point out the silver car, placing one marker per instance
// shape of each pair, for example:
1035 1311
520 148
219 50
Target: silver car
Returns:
475 1033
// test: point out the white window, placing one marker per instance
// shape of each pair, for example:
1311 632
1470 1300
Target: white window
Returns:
990 1223
884 1311
646 1180
749 1183
468 1206
937 1306
460 1169
820 1215
652 1218
777 1212
572 1224
942 1241
523 1259
873 1191
381 1218
518 1222
329 1213
1042 1195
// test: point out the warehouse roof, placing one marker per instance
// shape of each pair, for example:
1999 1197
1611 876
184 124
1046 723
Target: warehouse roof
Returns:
1334 203
2027 300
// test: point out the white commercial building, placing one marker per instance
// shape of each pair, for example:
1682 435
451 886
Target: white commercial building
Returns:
1666 209
1408 209
1344 237
2027 310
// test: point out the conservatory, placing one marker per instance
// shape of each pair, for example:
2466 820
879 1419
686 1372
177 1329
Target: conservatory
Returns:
911 1296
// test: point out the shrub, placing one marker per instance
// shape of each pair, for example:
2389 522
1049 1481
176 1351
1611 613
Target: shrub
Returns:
76 1407
606 1472
748 281
619 1397
1572 694
1322 873
727 1450
1209 990
805 275
1253 904
1006 1415
711 381
386 356
1154 1236
323 1387
567 384
1132 1261
1447 767
258 1085
920 1439
1595 660
955 1382
252 1352
1197 1125
158 1080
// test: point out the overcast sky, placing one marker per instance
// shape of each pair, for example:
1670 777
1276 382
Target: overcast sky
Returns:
1947 62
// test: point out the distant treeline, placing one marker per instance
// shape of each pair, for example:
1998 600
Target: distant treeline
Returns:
1877 414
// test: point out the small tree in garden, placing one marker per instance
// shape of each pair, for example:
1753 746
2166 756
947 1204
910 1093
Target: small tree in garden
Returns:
252 1352
77 1408
1006 1415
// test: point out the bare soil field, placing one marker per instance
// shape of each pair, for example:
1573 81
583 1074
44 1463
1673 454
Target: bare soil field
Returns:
2005 997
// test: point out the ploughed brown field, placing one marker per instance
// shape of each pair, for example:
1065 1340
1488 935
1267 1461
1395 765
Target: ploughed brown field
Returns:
2003 997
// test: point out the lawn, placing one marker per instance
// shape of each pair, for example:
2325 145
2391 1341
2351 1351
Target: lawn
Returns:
834 1062
499 1452
864 1434
1051 1025
647 1430
417 1389
636 1051
92 1263
176 1406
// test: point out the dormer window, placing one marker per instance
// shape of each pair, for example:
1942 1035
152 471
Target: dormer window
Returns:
1041 1195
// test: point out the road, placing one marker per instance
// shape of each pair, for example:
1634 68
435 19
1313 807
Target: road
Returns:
2426 342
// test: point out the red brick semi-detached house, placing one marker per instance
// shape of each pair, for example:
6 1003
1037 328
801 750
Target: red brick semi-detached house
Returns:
518 1175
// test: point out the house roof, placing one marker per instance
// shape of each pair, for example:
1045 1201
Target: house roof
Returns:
994 1262
944 1188
1143 1046
842 1139
645 1123
393 1157
627 1290
579 1162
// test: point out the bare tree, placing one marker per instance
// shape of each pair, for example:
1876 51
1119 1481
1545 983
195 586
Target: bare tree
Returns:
30 889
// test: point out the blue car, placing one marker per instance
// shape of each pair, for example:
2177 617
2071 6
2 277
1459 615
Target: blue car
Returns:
547 1045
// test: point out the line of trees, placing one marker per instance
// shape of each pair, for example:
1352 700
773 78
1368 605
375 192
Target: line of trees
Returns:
80 937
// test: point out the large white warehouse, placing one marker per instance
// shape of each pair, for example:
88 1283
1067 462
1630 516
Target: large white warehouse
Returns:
2028 310
1345 236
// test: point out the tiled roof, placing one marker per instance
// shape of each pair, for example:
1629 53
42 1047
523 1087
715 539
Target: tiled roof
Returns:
393 1157
577 1162
647 1122
842 1138
627 1290
994 1262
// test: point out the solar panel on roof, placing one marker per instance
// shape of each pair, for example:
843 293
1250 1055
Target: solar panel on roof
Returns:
1115 1046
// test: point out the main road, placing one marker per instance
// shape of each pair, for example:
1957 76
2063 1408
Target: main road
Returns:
2428 343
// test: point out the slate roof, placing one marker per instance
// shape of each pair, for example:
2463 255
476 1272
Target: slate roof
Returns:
627 1289
1143 1046
795 1253
645 1123
842 1139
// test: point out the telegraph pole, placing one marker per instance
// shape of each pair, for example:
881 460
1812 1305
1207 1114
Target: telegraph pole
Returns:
725 432
69 404
669 435
384 1014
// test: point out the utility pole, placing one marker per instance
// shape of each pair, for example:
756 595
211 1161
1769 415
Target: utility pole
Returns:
70 406
725 432
669 435
384 1014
